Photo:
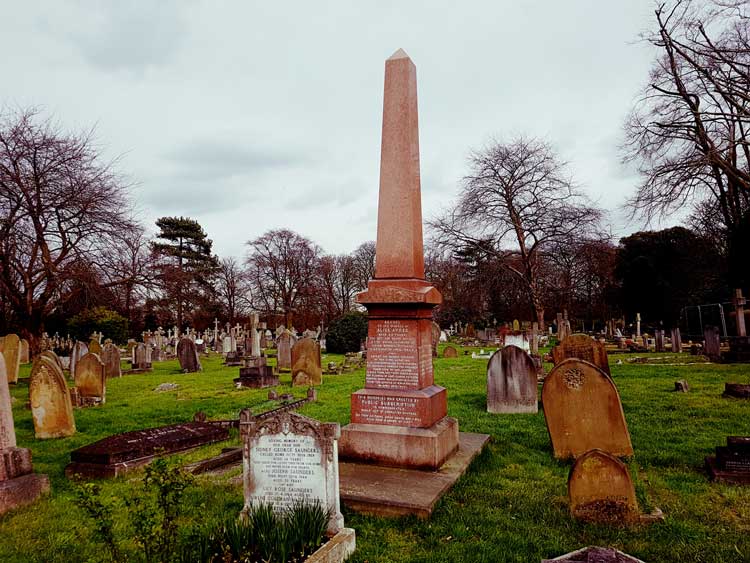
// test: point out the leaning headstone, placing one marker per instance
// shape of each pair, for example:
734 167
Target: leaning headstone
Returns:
12 356
450 352
712 346
18 484
582 347
284 353
595 555
90 379
601 490
306 368
732 462
111 359
187 354
79 351
25 355
289 458
511 382
51 408
583 411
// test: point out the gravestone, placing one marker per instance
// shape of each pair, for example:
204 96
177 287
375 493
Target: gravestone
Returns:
51 408
534 342
601 490
18 484
187 354
284 345
583 411
659 341
518 339
737 390
306 369
256 374
111 359
90 379
582 347
289 458
25 355
676 341
49 354
12 356
511 382
120 453
712 346
681 386
450 352
732 462
95 347
79 351
435 338
595 555
141 357
516 325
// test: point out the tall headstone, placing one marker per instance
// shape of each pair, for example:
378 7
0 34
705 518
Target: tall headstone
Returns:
141 357
582 347
51 408
739 311
25 354
187 354
601 490
306 369
712 343
511 382
111 359
583 411
289 458
12 356
676 341
18 484
284 345
79 351
400 417
659 341
90 379
534 343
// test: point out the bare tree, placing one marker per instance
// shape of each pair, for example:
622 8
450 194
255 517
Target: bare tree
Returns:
282 266
364 263
233 288
688 132
339 283
59 205
516 201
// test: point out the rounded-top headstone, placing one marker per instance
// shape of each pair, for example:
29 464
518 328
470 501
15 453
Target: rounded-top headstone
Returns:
89 376
51 409
450 352
511 382
582 347
583 411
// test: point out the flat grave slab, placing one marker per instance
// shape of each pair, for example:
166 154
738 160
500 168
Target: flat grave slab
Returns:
731 464
120 453
394 491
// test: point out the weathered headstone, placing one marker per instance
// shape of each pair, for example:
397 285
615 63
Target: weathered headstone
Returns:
712 345
25 354
289 458
18 484
676 341
582 347
111 359
450 352
737 390
284 345
681 386
511 382
90 379
400 417
534 342
659 341
583 411
601 490
518 339
187 354
79 351
306 369
141 357
12 356
51 408
435 338
732 462
95 347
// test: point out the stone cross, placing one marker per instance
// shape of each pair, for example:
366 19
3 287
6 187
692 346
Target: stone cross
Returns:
739 307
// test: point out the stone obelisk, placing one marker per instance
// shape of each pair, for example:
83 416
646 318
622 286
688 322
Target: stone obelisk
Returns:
400 417
18 484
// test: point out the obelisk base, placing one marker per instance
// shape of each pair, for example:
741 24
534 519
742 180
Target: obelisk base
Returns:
400 446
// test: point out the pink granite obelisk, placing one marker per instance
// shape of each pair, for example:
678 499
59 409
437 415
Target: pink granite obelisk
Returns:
400 417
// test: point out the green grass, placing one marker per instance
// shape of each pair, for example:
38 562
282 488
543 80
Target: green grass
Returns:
510 506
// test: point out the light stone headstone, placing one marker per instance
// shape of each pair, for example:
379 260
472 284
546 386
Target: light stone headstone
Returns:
51 409
25 354
582 347
306 368
12 356
90 379
284 354
511 382
79 351
289 458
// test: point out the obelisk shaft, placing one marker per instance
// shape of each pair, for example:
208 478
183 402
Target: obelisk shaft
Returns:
399 249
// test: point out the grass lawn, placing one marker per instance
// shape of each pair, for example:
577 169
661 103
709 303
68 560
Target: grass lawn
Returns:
510 506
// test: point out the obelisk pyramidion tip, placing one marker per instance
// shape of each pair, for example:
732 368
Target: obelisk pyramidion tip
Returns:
400 54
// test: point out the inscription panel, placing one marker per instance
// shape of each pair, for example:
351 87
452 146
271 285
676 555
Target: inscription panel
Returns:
286 469
395 411
397 355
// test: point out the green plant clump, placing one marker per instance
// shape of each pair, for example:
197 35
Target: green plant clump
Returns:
100 319
346 333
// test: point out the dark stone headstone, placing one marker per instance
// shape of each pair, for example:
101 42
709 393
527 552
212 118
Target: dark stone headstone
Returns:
732 462
737 390
120 453
681 386
256 374
187 354
712 346
511 382
676 341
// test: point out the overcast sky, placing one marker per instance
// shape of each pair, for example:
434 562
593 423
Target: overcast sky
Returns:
249 116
